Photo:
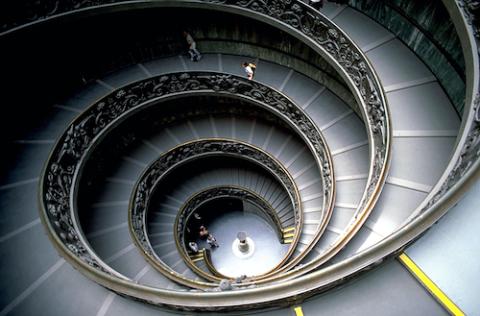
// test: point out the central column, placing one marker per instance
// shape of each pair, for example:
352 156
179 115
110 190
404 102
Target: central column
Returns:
242 242
243 247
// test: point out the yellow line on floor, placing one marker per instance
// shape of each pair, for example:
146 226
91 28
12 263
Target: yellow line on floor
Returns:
298 311
431 287
197 259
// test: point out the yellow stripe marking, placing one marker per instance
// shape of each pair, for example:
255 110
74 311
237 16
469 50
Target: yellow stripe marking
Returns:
288 235
298 311
287 241
197 259
289 229
431 287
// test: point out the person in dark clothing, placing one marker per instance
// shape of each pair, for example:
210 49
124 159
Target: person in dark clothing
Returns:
203 232
192 47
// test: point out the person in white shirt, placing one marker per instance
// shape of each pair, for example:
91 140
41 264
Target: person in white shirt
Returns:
192 47
249 69
193 246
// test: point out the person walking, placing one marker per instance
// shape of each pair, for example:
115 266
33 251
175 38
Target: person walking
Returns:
249 69
192 47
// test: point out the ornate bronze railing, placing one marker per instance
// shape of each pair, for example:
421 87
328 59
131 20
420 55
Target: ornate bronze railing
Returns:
298 20
179 156
338 49
64 168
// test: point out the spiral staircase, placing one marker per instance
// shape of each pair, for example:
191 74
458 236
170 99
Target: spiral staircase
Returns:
339 160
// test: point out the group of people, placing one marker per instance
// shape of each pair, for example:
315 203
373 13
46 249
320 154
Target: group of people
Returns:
203 234
195 56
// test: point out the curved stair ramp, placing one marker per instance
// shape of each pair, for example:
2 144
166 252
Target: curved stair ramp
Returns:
214 176
56 175
54 171
375 214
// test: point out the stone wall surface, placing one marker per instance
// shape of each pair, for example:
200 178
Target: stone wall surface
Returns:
426 28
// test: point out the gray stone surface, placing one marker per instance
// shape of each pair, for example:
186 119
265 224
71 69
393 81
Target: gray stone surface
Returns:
389 290
434 153
422 100
448 253
393 207
25 258
427 30
125 76
352 162
395 63
21 199
370 32
61 291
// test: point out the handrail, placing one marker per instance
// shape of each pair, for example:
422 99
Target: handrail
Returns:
63 170
327 39
179 156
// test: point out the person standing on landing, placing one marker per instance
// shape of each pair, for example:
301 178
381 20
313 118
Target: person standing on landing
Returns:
249 69
212 241
192 47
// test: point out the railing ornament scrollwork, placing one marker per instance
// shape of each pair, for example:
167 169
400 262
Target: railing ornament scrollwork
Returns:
64 168
293 17
60 172
185 153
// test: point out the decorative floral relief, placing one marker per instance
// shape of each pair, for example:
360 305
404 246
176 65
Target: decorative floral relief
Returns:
160 167
58 183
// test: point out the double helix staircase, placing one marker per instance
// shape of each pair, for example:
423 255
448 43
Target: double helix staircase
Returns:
317 228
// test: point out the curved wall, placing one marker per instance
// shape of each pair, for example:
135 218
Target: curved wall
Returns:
426 28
